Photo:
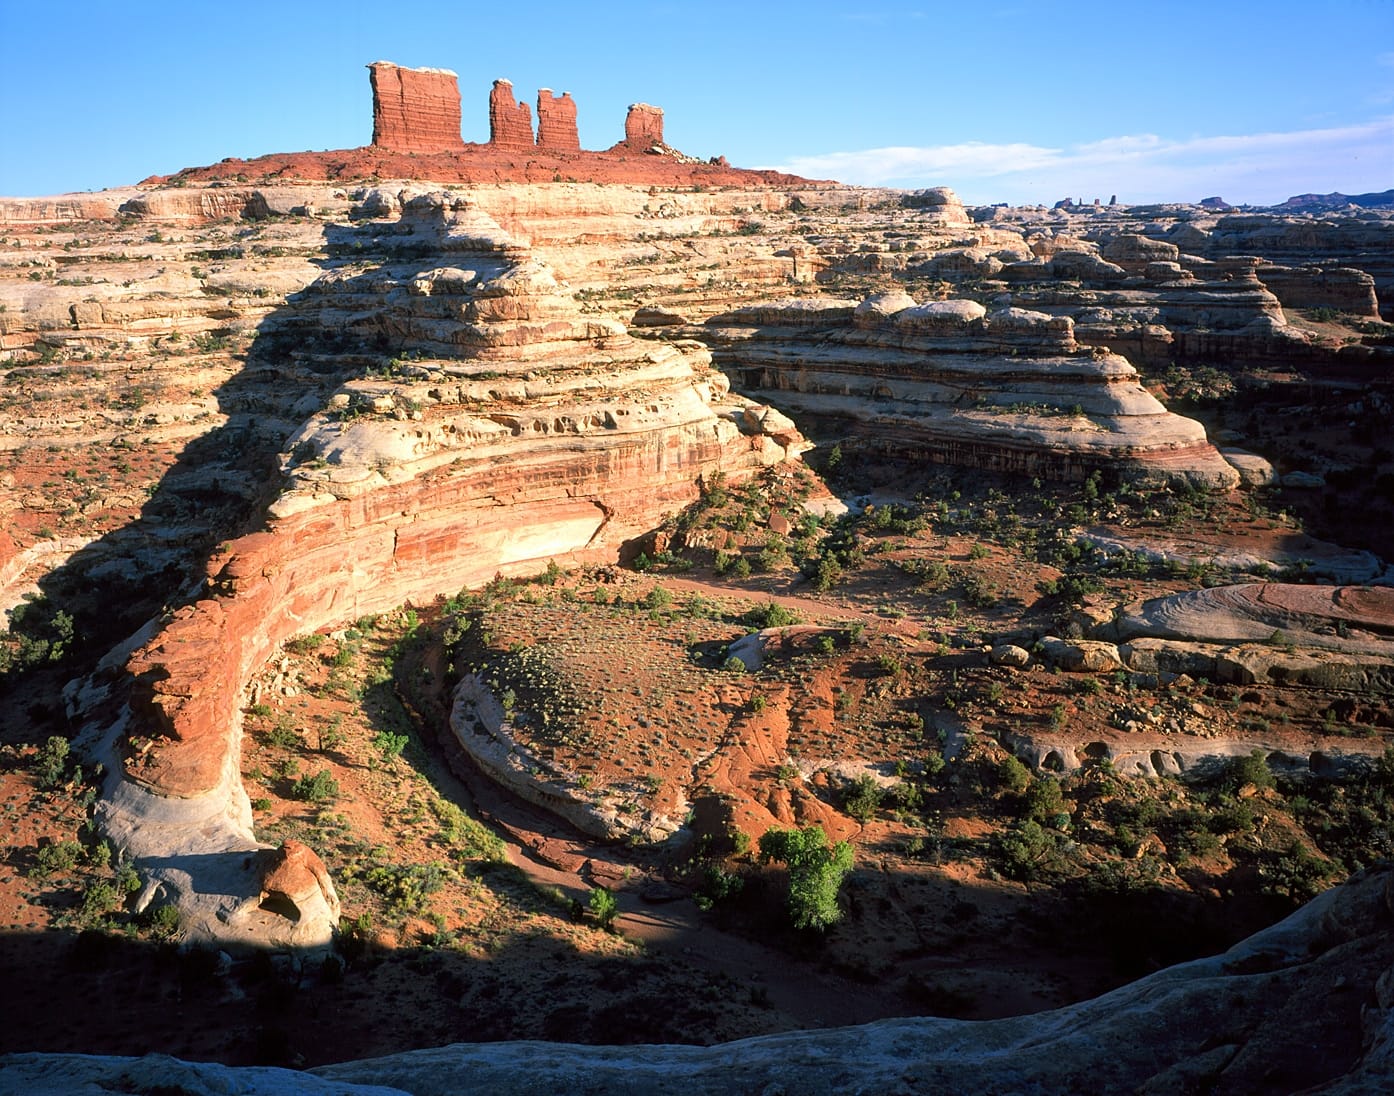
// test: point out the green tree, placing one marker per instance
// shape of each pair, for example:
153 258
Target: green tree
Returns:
816 870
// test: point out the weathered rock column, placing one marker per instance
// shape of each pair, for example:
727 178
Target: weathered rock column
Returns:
643 127
556 122
415 110
510 122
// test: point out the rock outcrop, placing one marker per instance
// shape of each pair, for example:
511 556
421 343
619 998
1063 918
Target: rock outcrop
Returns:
415 110
1247 1021
556 122
400 489
643 128
1008 390
510 122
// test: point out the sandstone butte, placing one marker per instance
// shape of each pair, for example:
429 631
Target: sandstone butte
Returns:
416 135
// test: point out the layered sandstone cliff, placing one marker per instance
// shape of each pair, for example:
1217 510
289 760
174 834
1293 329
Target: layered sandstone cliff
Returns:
1008 390
521 431
643 127
510 122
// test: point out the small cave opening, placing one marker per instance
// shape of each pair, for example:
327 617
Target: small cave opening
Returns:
280 904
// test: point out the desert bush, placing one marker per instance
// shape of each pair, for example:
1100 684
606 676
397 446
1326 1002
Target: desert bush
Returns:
319 788
770 615
862 798
389 745
57 856
51 764
604 907
717 885
1251 769
407 887
1012 775
99 899
1043 800
1028 852
466 836
284 735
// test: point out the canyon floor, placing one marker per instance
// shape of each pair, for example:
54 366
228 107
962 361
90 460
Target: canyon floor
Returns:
956 905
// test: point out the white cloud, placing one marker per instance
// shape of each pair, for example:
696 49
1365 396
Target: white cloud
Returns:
1259 169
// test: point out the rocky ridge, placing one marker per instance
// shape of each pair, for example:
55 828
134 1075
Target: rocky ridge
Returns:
1009 390
395 492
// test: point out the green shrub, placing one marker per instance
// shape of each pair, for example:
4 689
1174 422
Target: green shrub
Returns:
1013 775
51 764
862 798
320 788
284 735
1027 852
771 615
162 921
55 857
604 907
1043 801
98 900
390 745
1252 769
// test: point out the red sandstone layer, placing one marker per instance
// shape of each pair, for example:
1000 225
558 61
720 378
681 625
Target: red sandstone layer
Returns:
422 538
477 163
643 127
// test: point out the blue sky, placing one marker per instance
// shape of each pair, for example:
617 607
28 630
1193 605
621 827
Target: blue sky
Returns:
1003 100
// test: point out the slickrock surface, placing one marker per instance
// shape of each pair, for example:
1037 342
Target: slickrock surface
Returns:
415 110
1009 390
1304 1005
1334 637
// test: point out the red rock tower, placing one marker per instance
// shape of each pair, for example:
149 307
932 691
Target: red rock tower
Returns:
643 127
556 122
415 110
510 122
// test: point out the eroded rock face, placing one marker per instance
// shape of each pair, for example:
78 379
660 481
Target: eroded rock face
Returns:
415 110
1008 390
1244 1021
525 431
556 121
510 122
643 127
